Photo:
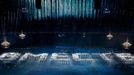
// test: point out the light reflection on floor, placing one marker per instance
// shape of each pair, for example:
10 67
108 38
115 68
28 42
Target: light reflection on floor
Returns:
99 67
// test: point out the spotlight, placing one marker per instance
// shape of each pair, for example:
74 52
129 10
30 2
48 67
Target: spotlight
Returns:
126 44
22 35
61 35
24 10
109 36
84 35
106 11
5 44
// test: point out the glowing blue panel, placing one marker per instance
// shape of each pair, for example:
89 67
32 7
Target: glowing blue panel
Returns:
58 8
43 8
35 10
61 8
80 8
46 9
53 8
77 9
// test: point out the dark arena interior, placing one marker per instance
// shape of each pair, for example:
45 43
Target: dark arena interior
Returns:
66 37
